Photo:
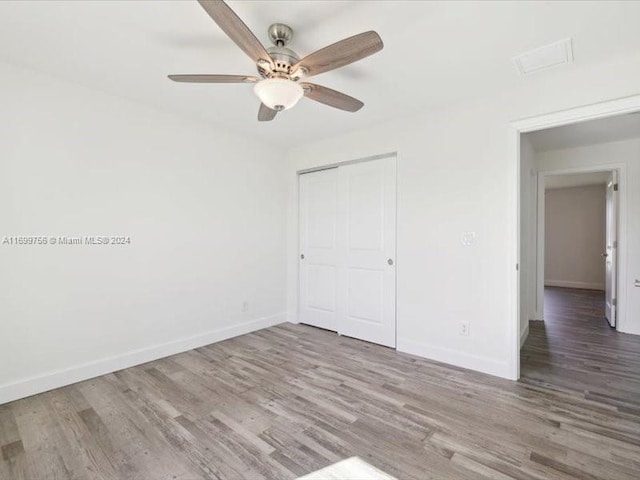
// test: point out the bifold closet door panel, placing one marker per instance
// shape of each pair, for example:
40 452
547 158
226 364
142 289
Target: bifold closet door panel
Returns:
367 249
318 270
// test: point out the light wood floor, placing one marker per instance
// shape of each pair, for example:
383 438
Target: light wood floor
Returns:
282 402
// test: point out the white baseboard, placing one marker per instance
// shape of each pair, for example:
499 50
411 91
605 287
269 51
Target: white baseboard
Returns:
60 378
634 330
524 334
454 357
572 284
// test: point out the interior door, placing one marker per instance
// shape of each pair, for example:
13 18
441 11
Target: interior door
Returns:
318 248
612 249
367 273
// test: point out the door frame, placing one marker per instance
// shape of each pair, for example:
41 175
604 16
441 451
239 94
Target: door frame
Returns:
297 222
329 166
515 130
620 168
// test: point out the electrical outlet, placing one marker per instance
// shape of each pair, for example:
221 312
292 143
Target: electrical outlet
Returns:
464 328
245 306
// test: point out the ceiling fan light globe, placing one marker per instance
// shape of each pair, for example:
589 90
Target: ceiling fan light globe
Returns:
278 93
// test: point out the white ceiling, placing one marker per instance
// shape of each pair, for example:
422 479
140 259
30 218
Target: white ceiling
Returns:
435 52
576 180
612 129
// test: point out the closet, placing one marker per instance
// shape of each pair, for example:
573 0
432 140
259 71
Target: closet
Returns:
347 252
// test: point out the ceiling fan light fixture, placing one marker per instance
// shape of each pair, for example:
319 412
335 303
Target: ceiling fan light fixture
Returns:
280 68
278 93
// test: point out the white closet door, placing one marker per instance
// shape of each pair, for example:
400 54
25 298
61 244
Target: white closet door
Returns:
319 248
367 241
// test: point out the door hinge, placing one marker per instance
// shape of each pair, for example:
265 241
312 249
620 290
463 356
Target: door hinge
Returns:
517 266
615 244
614 302
615 187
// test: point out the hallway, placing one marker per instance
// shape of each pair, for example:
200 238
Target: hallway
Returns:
575 349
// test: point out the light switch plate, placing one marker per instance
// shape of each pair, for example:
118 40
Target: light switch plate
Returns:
468 238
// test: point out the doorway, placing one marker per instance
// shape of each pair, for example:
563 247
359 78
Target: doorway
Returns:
579 219
573 244
347 271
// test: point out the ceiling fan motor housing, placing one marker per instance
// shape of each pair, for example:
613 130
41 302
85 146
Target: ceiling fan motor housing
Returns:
283 58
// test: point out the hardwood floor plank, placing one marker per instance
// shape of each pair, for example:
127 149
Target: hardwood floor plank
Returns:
285 401
11 450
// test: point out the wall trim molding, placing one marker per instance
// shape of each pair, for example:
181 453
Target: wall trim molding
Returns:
292 317
524 334
455 357
572 284
63 377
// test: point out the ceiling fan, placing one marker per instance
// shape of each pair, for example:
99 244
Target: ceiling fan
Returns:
279 86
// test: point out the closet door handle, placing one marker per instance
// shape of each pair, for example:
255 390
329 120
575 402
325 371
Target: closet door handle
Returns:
390 261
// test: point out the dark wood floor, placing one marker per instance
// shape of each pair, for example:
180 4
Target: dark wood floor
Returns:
285 401
576 349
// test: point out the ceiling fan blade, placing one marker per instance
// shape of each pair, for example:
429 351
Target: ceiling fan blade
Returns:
214 78
235 29
331 97
339 54
266 114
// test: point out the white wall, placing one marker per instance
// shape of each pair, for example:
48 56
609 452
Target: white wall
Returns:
456 174
205 210
575 237
627 154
